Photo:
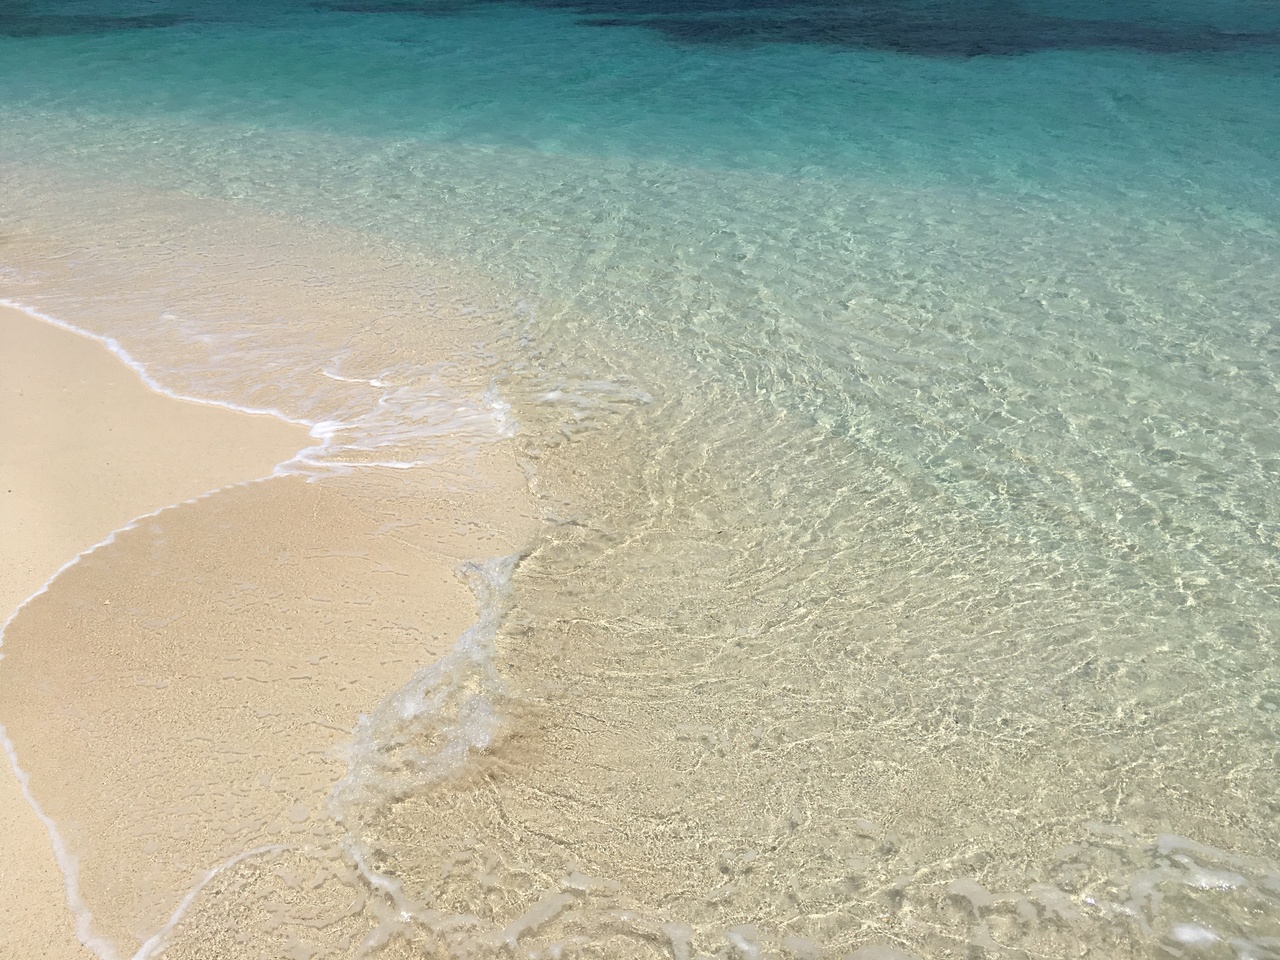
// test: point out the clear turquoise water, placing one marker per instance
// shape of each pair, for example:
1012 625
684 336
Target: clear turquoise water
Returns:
909 419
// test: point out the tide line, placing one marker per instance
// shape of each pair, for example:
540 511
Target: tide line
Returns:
319 431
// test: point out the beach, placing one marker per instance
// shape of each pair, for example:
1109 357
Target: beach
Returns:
87 448
243 663
600 481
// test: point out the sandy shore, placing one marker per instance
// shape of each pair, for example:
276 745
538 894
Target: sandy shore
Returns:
181 695
85 447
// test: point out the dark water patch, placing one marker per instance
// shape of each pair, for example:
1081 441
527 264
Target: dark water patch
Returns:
954 31
26 20
934 29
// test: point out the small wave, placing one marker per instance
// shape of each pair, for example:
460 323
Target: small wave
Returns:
388 423
425 732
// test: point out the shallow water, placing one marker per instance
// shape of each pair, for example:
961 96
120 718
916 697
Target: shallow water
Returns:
899 385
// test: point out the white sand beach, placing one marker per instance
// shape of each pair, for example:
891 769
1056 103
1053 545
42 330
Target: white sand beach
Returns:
85 447
181 695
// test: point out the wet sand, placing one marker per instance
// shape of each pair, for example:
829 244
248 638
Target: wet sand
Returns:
181 696
85 447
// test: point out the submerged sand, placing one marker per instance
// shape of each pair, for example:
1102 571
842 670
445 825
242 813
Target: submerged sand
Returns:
181 696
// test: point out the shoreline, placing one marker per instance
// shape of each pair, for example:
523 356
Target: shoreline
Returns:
273 674
71 399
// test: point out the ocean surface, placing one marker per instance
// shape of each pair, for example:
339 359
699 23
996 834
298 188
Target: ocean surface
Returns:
900 386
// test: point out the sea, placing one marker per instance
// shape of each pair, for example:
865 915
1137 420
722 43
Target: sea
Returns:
898 383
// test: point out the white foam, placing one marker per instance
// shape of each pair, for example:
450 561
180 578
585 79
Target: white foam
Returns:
141 370
453 698
156 943
742 938
452 704
1194 935
537 916
1202 879
66 862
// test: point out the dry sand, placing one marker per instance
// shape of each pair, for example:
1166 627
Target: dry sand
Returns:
181 695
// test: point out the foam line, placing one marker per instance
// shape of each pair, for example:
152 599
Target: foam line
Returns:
445 688
112 344
321 431
66 862
158 940
332 436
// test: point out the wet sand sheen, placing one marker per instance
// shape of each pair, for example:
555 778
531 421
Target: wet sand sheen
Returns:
180 696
